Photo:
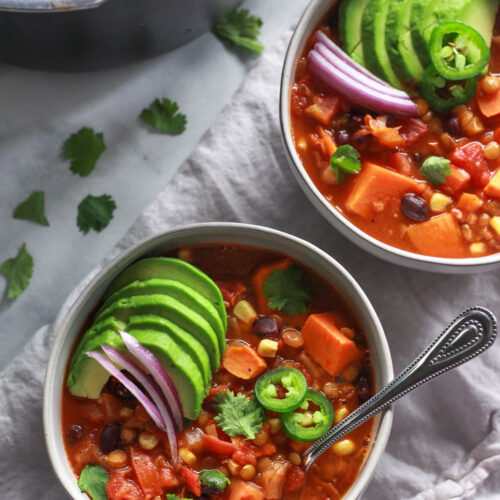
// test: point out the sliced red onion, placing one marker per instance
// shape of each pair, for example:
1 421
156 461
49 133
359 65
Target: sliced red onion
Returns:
356 90
121 377
149 361
322 37
135 370
353 73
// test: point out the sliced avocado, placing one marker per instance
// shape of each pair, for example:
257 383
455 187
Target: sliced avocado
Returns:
173 310
424 16
350 15
174 269
87 378
177 290
373 25
399 43
184 340
481 15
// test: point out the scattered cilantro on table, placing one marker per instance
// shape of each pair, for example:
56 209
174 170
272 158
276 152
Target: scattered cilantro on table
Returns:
93 479
95 212
214 480
345 161
84 148
286 290
32 209
163 115
238 414
435 169
19 271
241 30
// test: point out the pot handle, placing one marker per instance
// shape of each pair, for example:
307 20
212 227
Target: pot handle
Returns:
48 5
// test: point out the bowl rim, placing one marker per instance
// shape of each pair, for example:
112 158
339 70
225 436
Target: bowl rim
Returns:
66 332
312 14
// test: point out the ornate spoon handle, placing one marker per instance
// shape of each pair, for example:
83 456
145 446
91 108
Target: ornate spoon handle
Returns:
467 336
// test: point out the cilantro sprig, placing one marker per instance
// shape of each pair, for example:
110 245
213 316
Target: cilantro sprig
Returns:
84 148
163 115
19 271
238 414
33 209
286 290
345 161
93 479
240 29
213 481
95 212
435 169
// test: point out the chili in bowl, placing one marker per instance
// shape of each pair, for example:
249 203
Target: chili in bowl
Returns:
204 361
390 114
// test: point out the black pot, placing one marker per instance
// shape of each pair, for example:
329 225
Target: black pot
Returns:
78 35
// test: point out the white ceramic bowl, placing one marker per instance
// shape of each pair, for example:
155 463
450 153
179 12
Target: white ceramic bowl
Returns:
313 13
70 325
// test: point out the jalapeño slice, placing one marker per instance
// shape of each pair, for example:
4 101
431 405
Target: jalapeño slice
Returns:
442 94
291 379
458 51
312 423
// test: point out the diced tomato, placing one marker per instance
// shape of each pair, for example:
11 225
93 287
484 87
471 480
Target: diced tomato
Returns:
412 129
241 490
324 108
168 480
244 455
455 182
401 162
110 405
216 389
93 412
216 445
146 473
471 158
232 291
265 450
294 479
120 488
273 480
192 479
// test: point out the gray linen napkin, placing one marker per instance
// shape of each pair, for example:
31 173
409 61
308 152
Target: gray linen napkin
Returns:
445 442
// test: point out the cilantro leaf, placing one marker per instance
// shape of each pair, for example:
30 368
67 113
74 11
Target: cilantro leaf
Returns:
93 479
32 209
163 115
83 149
286 291
19 271
214 481
435 169
171 496
345 161
241 30
95 212
238 414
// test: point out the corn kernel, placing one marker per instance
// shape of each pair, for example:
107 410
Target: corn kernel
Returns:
490 84
147 440
247 472
351 372
495 224
274 425
261 437
477 248
263 464
308 419
267 348
245 312
128 435
187 456
185 254
341 413
233 467
344 447
439 202
126 412
295 458
328 175
117 459
492 150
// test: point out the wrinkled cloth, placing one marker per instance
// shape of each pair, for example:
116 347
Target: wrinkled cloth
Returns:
445 441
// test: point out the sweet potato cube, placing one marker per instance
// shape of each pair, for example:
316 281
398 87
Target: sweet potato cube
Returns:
468 203
456 181
327 345
493 187
377 184
439 236
243 362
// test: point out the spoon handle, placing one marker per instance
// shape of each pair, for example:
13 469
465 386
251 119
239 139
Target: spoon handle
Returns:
467 336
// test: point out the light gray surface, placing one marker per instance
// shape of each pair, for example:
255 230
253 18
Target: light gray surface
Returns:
40 110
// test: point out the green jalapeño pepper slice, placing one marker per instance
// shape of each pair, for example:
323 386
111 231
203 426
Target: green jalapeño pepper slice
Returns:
291 379
442 94
313 422
458 51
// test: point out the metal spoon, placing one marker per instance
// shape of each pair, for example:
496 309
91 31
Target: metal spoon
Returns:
467 336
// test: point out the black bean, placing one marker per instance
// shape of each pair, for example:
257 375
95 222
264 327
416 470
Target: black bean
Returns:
75 432
343 137
118 389
452 126
265 327
415 207
110 435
